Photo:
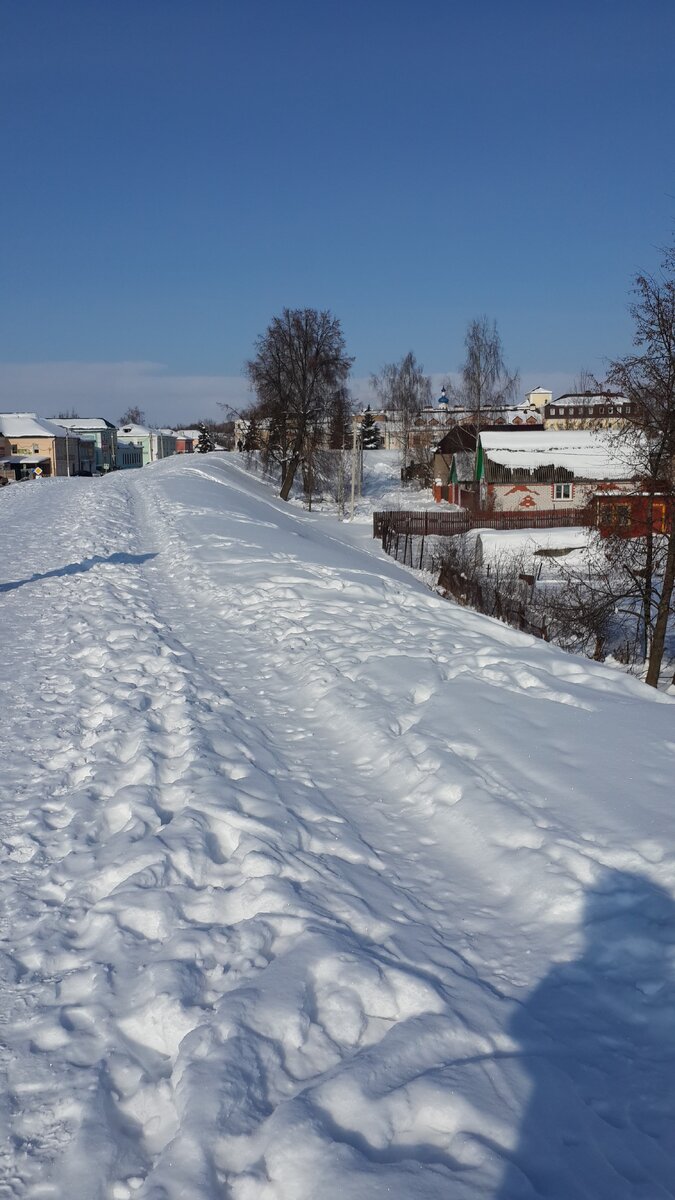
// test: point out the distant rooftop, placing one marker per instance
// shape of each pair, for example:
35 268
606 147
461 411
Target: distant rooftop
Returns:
85 423
135 430
28 425
590 399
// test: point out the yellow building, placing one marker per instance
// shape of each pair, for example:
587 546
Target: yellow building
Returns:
581 410
40 443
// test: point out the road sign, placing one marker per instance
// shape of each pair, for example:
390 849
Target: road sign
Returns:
37 471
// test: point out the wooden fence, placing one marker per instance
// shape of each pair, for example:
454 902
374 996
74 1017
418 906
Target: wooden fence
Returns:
514 610
447 524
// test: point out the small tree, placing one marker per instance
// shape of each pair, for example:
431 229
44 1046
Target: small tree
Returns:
205 442
298 373
370 431
403 390
252 434
486 382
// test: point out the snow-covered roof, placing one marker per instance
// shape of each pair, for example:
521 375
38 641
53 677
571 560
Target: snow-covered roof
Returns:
135 430
588 400
586 453
86 423
27 425
18 459
187 433
502 414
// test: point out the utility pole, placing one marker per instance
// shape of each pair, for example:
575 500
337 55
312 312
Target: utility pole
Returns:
354 426
341 482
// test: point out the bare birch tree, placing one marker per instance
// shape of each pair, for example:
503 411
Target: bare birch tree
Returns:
403 389
486 382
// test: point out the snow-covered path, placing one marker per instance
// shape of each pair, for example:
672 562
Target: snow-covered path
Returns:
314 884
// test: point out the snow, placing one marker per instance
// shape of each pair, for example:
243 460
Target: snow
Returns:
136 430
28 425
86 423
315 884
587 453
584 399
524 544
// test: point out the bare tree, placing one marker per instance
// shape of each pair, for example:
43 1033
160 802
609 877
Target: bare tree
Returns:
403 389
298 373
585 384
133 416
647 379
486 382
595 607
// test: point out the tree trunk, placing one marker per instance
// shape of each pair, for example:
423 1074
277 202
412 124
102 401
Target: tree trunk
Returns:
289 475
649 582
662 612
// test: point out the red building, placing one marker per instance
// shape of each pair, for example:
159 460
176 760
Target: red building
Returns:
629 515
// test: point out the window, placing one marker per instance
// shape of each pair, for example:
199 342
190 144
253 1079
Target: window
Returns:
563 491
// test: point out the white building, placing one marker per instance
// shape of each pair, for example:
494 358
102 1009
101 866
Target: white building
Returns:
549 469
155 443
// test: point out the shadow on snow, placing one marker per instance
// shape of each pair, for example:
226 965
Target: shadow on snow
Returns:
597 1038
117 559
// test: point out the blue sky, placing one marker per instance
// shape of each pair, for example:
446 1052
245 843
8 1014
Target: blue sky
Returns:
176 171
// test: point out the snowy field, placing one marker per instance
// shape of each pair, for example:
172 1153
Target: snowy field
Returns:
314 885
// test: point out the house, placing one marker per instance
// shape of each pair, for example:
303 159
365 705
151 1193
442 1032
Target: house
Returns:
6 476
36 442
186 440
154 443
86 456
429 426
454 458
103 435
129 455
517 470
581 409
632 515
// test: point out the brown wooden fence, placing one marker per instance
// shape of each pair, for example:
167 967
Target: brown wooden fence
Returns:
448 524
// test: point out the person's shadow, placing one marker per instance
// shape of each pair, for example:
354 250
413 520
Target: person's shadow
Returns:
598 1039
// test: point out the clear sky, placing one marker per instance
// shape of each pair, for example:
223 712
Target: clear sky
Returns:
177 171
